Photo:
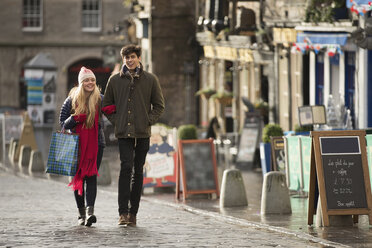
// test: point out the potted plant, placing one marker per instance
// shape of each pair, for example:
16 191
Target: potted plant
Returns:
223 97
326 11
303 130
187 132
265 147
205 93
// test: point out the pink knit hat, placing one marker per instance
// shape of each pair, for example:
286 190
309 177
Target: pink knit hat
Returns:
84 74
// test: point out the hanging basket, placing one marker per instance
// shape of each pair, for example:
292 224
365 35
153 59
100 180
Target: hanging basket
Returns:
227 100
206 95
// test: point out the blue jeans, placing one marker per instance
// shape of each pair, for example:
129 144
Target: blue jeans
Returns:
91 182
133 153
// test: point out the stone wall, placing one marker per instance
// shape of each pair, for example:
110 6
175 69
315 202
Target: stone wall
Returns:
173 45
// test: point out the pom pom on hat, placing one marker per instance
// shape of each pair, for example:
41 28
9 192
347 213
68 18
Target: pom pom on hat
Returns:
84 74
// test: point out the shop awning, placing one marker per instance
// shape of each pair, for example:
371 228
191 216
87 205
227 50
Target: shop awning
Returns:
322 38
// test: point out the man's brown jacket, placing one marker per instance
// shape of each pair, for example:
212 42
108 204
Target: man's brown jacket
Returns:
138 100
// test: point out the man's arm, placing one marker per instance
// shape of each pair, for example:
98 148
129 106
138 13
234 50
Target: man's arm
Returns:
157 102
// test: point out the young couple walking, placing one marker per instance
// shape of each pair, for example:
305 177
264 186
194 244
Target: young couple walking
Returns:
133 101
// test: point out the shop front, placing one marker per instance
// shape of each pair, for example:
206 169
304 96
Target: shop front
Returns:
230 75
332 66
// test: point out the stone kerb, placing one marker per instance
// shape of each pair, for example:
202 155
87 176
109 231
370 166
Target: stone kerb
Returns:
232 189
36 163
24 158
275 194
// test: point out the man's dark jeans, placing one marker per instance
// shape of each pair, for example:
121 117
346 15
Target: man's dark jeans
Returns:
132 156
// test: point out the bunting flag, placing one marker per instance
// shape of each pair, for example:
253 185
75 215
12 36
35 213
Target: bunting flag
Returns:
327 42
359 7
330 49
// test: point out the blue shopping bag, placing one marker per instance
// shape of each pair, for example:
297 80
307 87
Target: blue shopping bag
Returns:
63 154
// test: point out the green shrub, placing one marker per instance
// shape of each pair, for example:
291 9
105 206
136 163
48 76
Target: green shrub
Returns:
298 128
271 130
207 91
222 94
261 106
187 132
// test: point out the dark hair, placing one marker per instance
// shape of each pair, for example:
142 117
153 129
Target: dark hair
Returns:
126 50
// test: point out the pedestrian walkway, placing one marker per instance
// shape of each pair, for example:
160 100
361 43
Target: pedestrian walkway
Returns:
37 212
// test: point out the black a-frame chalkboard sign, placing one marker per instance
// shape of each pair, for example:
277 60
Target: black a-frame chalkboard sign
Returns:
339 168
196 168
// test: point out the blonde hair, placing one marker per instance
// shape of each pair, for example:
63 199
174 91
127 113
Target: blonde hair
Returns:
83 104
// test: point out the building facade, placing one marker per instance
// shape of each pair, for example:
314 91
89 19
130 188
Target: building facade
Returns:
283 55
44 43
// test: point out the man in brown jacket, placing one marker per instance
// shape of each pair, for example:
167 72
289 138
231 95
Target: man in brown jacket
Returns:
133 102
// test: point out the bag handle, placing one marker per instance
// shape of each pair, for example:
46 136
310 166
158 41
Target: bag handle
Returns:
64 131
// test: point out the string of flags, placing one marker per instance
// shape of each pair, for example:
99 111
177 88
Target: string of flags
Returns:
330 49
360 9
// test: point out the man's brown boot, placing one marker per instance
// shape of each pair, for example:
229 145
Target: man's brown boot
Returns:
124 219
133 220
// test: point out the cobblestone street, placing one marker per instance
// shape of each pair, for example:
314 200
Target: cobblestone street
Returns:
36 212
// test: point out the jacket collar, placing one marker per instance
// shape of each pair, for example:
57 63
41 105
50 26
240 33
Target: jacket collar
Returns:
125 71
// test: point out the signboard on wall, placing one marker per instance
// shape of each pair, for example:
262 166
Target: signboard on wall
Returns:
208 51
41 90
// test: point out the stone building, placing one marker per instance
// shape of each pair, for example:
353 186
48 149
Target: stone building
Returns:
69 34
43 44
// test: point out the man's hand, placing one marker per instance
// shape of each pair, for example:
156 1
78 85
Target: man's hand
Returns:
108 110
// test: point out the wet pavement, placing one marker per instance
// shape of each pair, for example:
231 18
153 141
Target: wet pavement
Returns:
359 235
36 212
199 214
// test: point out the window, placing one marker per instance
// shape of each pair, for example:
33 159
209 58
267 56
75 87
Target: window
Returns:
91 15
32 18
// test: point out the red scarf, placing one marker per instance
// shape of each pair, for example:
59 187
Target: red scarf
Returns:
88 154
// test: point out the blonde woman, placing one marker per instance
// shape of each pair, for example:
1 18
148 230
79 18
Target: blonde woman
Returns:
80 113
